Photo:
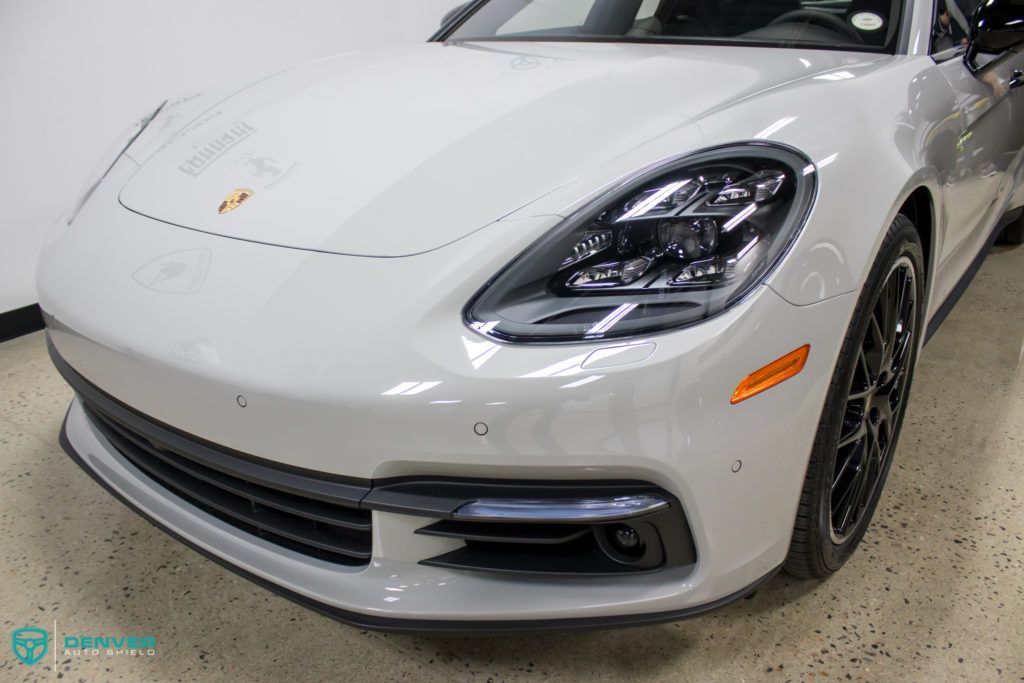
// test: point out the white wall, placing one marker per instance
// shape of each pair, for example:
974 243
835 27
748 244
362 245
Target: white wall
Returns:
73 73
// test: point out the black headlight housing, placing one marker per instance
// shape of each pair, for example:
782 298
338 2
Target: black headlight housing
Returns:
673 246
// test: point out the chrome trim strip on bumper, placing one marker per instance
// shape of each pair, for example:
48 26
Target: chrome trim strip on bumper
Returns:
565 511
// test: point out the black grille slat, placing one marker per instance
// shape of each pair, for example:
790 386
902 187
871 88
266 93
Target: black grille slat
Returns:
286 502
265 519
575 559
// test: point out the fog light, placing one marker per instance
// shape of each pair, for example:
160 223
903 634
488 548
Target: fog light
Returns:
626 540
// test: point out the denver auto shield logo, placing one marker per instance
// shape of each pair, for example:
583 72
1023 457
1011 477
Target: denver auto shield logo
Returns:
30 644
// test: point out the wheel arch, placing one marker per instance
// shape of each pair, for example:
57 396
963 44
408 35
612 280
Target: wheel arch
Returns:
850 253
921 202
919 207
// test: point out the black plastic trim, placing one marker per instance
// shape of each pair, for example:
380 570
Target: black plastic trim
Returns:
509 559
267 519
684 41
175 465
456 20
399 625
20 321
546 549
947 306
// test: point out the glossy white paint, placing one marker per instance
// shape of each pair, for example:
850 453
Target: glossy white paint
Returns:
453 159
326 398
474 133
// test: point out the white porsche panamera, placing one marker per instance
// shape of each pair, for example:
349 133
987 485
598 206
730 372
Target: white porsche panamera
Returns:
583 313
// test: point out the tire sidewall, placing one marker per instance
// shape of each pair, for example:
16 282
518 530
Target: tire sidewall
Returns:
901 240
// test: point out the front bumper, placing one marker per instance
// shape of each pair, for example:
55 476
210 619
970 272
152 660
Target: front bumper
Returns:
376 621
187 327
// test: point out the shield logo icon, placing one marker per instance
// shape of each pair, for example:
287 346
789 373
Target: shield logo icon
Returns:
30 644
180 272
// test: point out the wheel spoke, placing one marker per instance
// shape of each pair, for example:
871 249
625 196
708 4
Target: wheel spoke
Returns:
874 356
877 335
904 311
862 491
893 333
862 360
895 293
862 366
906 299
842 470
885 430
872 467
896 396
899 356
892 305
875 452
849 504
886 303
853 438
901 352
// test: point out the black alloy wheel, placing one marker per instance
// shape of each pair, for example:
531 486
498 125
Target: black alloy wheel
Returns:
864 408
875 400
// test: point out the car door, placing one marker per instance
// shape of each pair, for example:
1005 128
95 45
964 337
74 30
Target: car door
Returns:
987 152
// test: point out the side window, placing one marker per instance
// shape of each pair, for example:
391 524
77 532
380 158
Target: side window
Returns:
541 15
950 26
647 9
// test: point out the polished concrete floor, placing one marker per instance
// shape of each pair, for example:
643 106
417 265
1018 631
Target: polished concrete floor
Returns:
936 591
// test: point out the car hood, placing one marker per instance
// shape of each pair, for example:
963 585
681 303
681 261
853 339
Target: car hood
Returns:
401 152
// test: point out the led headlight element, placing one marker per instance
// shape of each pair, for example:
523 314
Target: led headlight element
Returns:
676 245
592 242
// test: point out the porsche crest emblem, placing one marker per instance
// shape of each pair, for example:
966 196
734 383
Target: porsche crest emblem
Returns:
234 200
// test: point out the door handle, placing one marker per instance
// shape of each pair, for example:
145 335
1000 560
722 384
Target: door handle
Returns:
1017 80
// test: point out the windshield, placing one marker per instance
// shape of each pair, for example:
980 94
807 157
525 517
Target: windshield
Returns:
869 25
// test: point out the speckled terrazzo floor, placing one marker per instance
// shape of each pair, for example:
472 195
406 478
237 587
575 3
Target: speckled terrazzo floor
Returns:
935 593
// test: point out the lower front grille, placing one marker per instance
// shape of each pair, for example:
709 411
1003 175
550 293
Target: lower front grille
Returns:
312 527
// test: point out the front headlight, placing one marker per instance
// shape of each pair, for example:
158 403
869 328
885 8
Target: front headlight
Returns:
671 247
110 156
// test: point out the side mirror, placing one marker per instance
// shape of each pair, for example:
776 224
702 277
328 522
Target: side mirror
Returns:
996 27
453 12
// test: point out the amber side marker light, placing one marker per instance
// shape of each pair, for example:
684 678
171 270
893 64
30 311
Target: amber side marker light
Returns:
774 373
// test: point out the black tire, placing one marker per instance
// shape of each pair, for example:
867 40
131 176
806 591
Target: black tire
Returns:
822 542
1014 232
